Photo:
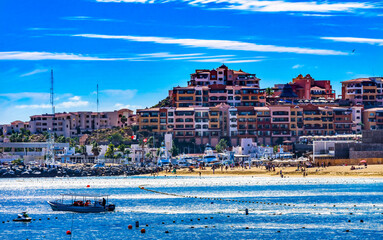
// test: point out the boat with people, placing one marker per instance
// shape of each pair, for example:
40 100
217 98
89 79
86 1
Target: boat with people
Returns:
209 157
23 217
82 203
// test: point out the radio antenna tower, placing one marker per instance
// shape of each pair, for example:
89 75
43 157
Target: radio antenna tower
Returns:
50 157
98 116
52 93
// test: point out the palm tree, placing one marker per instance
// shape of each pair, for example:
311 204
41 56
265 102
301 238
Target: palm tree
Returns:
269 91
96 149
123 119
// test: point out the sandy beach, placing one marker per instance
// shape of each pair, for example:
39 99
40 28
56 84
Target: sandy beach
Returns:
332 171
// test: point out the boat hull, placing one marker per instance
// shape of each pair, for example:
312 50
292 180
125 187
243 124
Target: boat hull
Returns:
80 209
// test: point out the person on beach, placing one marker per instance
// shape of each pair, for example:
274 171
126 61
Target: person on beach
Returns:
199 174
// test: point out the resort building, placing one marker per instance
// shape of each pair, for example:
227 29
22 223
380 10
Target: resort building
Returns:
373 118
266 125
223 76
364 91
304 88
78 123
208 88
14 127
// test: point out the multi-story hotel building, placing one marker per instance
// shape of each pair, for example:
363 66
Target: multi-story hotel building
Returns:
15 126
78 123
373 118
266 125
305 88
208 88
364 91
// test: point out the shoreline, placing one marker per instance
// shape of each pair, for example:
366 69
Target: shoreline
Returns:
375 171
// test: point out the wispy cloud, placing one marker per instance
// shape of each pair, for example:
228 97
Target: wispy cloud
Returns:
217 44
296 66
50 29
313 15
36 71
19 55
119 93
372 41
87 18
128 106
195 57
265 6
25 96
73 102
168 55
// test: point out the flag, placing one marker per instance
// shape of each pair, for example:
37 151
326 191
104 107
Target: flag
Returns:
145 140
134 137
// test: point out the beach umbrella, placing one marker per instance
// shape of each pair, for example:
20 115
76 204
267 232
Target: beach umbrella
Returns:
363 161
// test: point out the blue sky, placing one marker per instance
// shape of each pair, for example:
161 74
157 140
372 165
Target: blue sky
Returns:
136 50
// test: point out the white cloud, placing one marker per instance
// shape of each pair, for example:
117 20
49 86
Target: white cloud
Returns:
372 41
128 106
313 15
18 55
168 55
36 71
126 94
34 106
87 18
25 95
72 104
244 61
75 98
298 66
217 44
265 6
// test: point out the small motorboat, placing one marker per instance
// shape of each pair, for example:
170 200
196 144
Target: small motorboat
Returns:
84 205
23 217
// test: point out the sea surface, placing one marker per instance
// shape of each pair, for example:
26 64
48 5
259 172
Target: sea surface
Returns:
203 208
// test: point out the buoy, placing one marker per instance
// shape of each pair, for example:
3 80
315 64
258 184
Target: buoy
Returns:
166 231
247 227
137 224
143 230
163 223
349 220
130 226
361 221
68 232
87 185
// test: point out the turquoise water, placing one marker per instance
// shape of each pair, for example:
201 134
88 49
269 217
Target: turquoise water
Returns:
311 214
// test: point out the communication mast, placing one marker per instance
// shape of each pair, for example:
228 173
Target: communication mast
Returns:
50 156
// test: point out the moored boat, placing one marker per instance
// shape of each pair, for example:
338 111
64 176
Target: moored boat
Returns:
86 205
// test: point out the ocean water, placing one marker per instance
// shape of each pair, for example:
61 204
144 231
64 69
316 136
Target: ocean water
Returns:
289 208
